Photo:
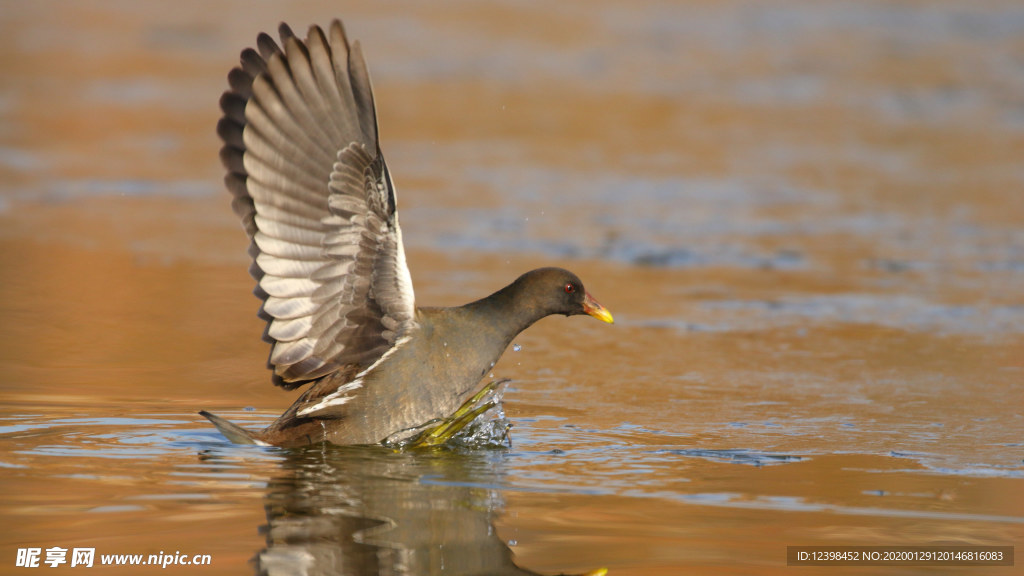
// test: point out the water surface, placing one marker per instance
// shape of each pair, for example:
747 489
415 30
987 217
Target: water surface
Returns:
806 219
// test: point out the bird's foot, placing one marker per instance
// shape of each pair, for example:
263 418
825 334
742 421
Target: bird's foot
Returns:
438 432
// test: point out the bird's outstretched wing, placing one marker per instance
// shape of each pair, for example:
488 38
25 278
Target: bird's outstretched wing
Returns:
315 196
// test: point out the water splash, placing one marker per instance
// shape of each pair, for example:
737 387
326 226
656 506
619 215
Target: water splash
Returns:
488 429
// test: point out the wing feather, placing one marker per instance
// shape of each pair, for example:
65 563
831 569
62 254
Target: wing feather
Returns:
317 201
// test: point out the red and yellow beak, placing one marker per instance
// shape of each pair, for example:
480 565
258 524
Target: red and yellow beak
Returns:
592 307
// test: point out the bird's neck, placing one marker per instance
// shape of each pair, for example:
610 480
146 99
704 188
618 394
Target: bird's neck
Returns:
507 309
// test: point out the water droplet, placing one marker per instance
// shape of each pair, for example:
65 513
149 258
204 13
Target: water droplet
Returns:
491 375
513 542
516 347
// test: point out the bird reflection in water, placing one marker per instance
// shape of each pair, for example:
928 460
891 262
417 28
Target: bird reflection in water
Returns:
367 510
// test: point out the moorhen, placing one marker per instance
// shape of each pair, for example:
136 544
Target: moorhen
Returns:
317 201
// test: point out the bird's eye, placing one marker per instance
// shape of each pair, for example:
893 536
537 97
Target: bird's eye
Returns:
569 288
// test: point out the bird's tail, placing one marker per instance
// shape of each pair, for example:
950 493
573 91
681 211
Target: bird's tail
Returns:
230 430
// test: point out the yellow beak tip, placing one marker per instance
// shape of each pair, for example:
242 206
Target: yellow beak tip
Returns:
593 308
602 314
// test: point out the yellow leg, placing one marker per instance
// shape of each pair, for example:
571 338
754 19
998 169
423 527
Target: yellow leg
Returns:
438 432
450 427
